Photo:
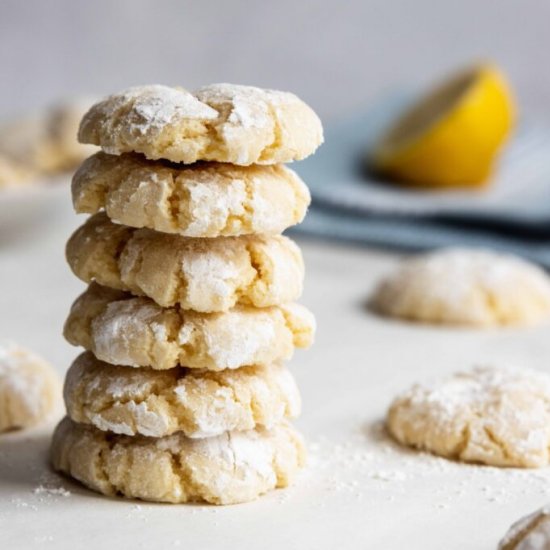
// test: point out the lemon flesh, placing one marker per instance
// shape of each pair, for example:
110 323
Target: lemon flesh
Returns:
451 137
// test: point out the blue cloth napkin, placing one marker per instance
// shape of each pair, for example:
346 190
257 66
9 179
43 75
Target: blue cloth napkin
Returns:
512 214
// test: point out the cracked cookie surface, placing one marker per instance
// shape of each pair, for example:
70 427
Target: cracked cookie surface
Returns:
122 329
201 200
29 388
465 287
240 125
204 275
131 401
499 417
230 468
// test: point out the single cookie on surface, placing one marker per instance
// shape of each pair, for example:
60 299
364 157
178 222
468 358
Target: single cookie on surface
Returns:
131 401
531 532
227 469
200 274
465 287
42 144
499 417
29 388
201 200
122 329
222 122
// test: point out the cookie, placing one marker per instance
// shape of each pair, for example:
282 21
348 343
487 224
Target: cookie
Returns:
227 469
200 274
222 122
465 287
42 144
131 401
125 330
531 532
499 417
29 388
201 200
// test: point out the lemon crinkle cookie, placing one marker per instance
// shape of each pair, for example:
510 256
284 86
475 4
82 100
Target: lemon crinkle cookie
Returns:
122 329
29 388
499 417
531 532
465 287
241 125
181 394
201 274
226 469
201 200
131 401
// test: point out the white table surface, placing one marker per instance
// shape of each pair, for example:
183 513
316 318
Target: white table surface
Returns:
359 490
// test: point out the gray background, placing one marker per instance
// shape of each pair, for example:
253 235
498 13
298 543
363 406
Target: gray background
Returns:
337 55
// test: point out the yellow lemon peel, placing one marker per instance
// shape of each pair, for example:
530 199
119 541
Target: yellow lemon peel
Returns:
451 137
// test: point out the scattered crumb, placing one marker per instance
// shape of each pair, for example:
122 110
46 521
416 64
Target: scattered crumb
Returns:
388 475
356 466
19 503
44 538
51 491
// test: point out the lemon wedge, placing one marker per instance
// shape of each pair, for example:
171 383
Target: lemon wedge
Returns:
451 137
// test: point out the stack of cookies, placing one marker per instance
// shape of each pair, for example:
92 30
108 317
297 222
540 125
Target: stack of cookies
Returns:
181 394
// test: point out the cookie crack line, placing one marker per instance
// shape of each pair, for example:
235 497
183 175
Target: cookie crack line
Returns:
277 135
257 267
499 444
101 468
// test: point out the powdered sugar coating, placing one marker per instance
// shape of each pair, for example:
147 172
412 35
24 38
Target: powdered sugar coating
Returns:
131 401
29 387
466 287
222 122
204 275
145 111
158 105
489 415
201 200
230 468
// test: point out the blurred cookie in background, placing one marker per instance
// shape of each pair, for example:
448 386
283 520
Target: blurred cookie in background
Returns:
30 389
465 286
42 144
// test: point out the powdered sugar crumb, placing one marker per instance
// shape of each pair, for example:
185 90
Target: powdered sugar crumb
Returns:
367 465
251 107
51 491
